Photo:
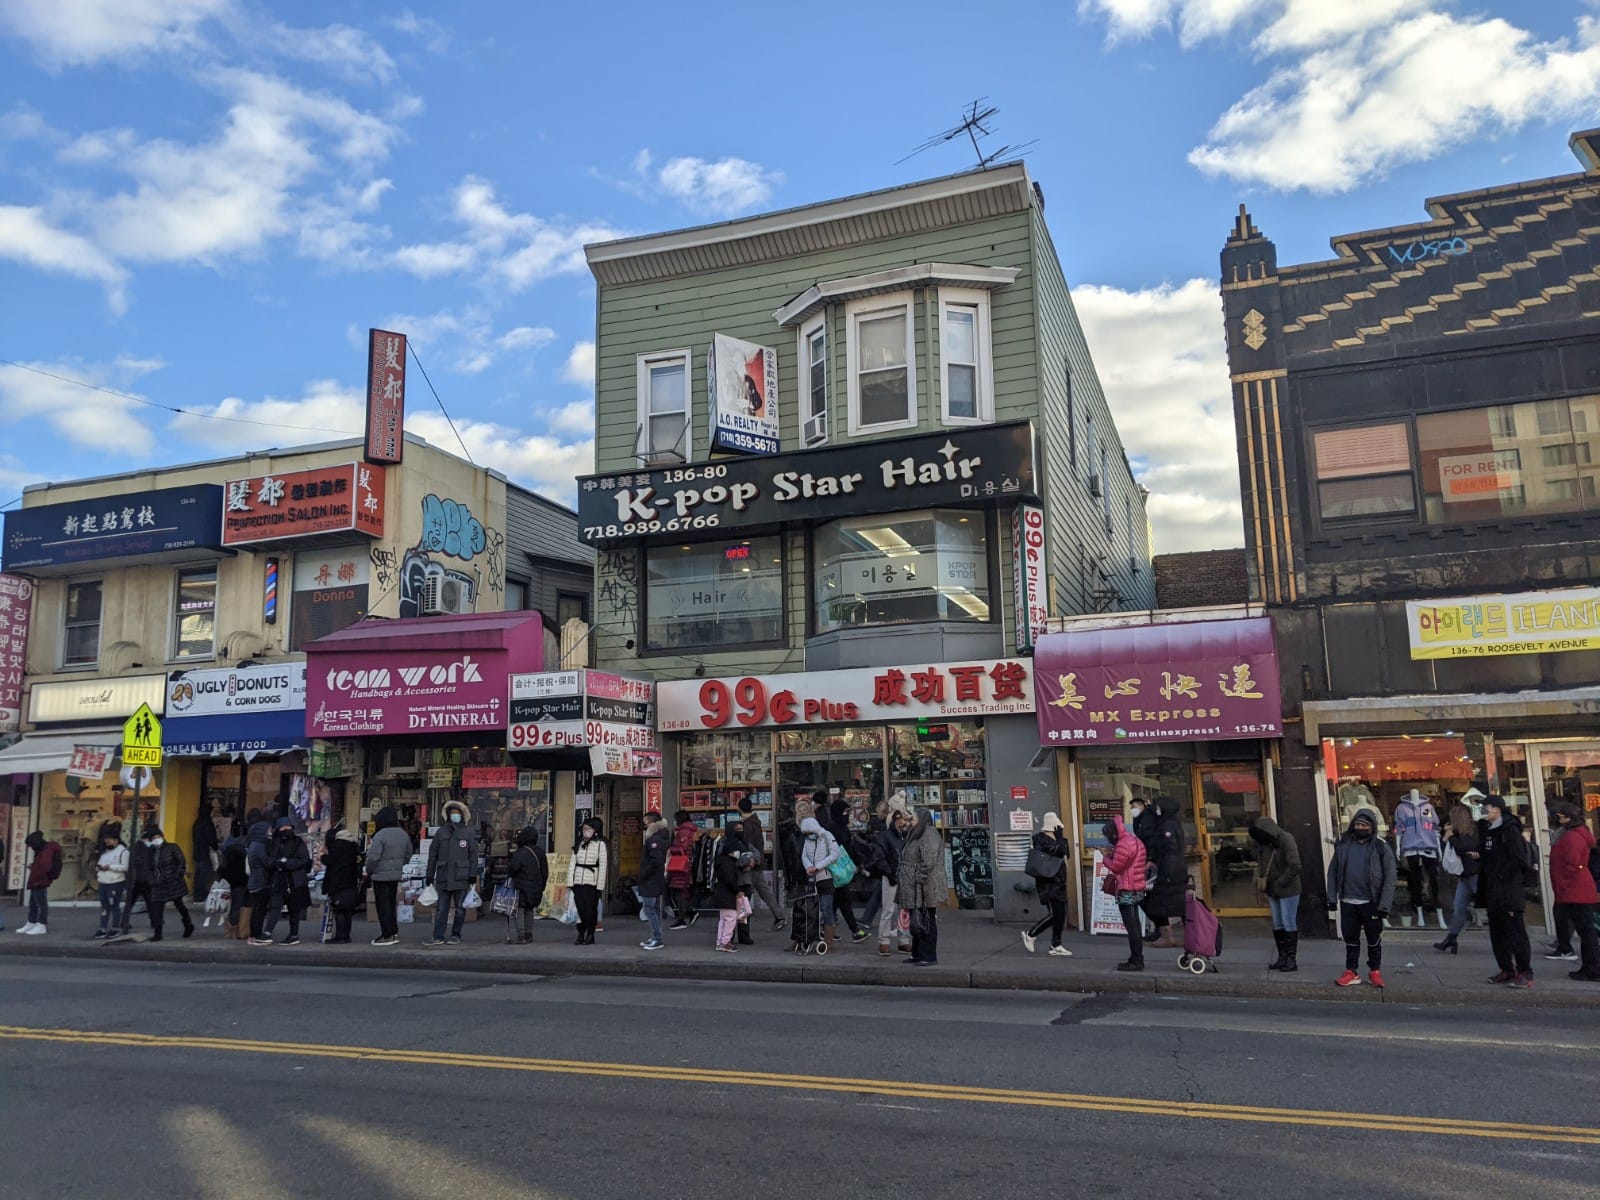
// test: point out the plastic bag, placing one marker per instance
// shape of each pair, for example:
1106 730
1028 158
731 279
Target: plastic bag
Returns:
569 914
219 897
506 900
472 900
429 897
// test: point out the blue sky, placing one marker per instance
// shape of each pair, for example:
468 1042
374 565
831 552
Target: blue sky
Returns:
205 203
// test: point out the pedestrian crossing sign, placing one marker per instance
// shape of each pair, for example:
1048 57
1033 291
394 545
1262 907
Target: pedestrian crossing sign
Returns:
141 739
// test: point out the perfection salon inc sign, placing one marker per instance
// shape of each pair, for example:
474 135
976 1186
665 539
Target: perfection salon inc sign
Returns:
991 462
291 504
986 687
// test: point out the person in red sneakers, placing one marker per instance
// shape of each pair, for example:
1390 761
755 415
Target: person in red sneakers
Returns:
1577 898
1361 882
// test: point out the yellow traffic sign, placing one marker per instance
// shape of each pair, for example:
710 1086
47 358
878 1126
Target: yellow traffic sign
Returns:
141 739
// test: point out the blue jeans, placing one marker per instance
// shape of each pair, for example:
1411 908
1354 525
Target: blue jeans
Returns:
1461 910
111 905
1285 912
652 911
446 899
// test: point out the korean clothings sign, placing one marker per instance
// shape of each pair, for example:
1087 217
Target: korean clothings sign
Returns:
291 504
135 526
1514 623
1196 681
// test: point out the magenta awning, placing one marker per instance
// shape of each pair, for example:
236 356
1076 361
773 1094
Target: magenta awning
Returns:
471 631
1188 682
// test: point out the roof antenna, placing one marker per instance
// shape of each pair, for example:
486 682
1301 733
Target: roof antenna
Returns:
973 124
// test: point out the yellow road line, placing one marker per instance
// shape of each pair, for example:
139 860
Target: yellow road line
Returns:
1385 1122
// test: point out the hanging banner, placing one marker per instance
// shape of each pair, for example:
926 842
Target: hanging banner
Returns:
386 396
90 762
742 379
1104 915
16 605
1028 574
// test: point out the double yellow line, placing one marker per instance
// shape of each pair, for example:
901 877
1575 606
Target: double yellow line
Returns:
1368 1122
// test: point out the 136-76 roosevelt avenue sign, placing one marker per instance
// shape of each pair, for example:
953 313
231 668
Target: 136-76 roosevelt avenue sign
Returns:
954 466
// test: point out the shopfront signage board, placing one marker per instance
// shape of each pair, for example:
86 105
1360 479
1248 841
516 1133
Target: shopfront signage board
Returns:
476 778
17 847
1194 681
1513 623
954 467
386 396
141 739
1028 574
89 762
407 692
107 530
236 710
441 777
347 498
16 606
84 702
742 379
624 760
985 687
556 709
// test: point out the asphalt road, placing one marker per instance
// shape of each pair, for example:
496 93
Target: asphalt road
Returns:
128 1080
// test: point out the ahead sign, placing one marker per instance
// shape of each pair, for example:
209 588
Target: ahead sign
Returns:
141 739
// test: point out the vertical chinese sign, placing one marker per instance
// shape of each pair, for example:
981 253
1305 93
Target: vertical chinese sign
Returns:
386 396
16 603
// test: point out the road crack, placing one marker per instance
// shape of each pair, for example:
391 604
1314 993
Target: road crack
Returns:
1191 1082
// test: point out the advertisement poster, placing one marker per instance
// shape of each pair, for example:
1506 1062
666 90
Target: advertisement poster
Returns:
1105 916
742 379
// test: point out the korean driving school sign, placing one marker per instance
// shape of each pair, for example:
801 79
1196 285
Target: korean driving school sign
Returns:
743 381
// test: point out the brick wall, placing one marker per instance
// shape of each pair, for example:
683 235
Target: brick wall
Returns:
1201 577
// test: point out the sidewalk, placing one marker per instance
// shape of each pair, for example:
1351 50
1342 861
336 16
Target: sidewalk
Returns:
973 952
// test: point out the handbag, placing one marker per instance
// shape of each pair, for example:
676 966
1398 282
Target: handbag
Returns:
472 899
1450 860
917 925
1044 865
842 869
505 900
1108 885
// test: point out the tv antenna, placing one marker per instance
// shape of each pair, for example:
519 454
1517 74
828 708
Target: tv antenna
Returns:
973 125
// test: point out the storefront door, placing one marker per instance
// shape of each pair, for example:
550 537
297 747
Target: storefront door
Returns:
1559 771
1228 797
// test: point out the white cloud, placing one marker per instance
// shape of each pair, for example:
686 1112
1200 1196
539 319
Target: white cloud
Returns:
525 337
327 409
434 37
542 462
350 52
464 340
726 187
1160 356
580 364
27 236
84 417
85 32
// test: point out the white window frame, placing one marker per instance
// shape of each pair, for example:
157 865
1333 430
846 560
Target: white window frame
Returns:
978 302
175 631
808 333
99 625
874 306
642 384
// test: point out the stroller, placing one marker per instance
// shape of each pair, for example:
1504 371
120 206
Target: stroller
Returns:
1202 934
805 924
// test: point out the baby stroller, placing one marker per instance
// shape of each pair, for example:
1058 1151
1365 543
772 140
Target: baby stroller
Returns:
805 924
1202 934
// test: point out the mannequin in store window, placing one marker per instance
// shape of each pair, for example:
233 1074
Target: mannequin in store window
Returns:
1416 844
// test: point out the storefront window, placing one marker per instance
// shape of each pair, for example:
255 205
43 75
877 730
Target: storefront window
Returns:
717 770
1111 783
1509 460
942 766
920 566
71 812
714 594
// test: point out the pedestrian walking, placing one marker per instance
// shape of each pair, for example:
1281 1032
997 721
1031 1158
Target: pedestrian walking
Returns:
527 871
258 863
452 867
1577 897
1361 882
235 871
725 887
1460 851
44 870
818 852
586 876
341 880
680 858
168 884
834 820
1504 862
1052 890
387 855
755 839
884 862
1125 873
111 877
207 850
289 863
1280 876
1164 849
923 887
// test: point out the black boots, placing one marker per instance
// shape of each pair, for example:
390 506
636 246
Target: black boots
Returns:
1288 943
1277 959
744 934
1448 945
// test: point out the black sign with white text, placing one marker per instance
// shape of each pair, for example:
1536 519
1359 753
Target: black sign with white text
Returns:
951 467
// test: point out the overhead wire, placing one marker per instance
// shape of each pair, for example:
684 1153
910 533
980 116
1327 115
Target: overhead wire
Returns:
448 419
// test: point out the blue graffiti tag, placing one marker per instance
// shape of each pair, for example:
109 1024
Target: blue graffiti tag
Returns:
1421 251
448 527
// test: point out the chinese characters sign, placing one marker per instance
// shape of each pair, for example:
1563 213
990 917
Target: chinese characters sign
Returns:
1516 623
386 396
1028 573
16 603
743 381
269 508
135 525
985 687
1198 681
584 708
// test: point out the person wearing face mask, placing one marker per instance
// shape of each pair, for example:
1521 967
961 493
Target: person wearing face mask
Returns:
1361 882
452 866
289 867
586 876
111 874
167 882
1504 863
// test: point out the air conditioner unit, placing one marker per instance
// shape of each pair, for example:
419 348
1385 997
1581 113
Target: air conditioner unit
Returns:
442 595
814 429
402 760
1094 485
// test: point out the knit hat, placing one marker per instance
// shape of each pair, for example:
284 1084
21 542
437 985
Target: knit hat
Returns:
1051 823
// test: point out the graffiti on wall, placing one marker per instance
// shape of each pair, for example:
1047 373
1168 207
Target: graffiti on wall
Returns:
454 544
1422 251
618 574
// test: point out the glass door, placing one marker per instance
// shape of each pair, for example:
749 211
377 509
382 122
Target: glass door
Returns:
1228 797
1558 772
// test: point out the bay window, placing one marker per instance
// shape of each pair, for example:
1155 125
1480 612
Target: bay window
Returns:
904 567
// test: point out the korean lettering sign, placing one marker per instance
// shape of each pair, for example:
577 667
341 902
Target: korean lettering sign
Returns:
131 525
743 381
1515 623
956 466
978 688
580 708
386 396
1196 681
16 605
293 504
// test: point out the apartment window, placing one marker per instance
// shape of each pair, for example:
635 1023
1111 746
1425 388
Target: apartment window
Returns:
516 598
195 615
917 566
570 605
1364 471
1526 459
81 630
665 432
814 382
882 362
966 376
714 595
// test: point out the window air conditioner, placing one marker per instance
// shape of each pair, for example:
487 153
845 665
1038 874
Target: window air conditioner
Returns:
402 760
1094 485
442 595
814 429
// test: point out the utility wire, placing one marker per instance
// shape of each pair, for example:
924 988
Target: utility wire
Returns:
440 403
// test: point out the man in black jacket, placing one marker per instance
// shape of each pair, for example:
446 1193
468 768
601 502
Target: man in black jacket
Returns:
203 839
167 883
653 876
528 871
1504 863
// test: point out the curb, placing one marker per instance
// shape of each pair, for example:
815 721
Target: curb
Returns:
816 972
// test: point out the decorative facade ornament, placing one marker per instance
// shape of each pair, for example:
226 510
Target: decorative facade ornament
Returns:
1255 329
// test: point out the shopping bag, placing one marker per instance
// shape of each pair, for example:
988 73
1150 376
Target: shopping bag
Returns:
327 923
842 869
473 900
569 914
405 914
218 899
429 897
505 900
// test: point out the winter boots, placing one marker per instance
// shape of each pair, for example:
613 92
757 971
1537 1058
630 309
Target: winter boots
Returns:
828 933
1288 943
